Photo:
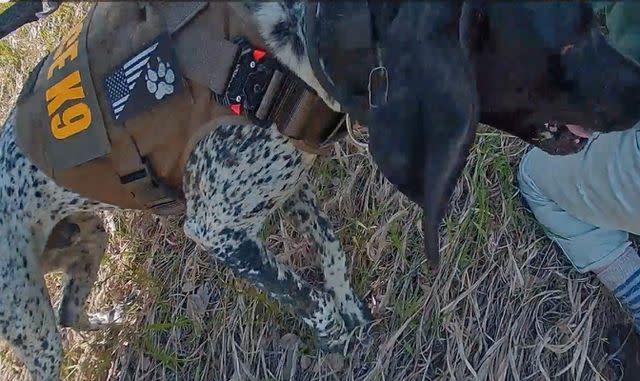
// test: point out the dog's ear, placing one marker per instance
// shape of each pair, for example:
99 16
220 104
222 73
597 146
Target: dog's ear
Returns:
420 138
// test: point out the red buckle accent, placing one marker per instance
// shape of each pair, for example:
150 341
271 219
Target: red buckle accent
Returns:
258 54
236 108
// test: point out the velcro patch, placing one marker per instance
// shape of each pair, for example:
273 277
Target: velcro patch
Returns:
76 129
142 81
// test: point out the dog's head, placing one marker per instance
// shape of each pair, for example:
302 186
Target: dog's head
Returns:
546 74
421 75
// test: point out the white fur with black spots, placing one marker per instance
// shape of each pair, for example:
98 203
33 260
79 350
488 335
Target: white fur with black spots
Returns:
234 179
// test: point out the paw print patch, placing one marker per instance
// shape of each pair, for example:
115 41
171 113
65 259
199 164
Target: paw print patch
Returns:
160 81
143 81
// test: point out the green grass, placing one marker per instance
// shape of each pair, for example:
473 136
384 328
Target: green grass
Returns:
166 357
4 6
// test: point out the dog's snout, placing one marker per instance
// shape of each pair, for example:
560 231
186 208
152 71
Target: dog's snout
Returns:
602 85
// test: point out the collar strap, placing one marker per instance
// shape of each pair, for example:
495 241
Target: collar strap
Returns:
242 75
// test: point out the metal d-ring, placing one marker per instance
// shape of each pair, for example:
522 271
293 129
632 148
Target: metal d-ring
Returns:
385 73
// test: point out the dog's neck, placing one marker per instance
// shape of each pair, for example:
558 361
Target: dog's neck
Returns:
281 24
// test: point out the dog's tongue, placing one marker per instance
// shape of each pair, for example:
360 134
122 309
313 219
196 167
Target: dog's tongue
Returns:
579 130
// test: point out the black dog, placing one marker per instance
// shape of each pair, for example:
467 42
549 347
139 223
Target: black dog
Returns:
541 71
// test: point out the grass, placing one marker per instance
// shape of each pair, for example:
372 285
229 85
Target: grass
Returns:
505 305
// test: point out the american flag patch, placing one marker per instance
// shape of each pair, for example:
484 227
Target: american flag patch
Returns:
156 65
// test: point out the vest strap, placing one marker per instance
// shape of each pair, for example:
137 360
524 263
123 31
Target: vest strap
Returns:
137 177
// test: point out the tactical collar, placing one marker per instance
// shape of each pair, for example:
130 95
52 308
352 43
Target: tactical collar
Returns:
344 42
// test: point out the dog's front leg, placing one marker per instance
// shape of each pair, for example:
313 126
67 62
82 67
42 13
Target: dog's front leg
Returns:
242 251
27 321
76 246
303 211
234 179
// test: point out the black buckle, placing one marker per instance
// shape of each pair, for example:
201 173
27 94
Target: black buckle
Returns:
152 192
255 79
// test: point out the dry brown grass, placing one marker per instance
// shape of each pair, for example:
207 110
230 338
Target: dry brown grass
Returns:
505 305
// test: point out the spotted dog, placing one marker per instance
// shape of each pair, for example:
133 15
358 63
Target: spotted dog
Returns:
234 179
237 175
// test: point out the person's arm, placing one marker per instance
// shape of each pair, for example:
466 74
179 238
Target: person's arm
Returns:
623 23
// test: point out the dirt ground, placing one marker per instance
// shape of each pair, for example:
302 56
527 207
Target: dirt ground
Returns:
505 305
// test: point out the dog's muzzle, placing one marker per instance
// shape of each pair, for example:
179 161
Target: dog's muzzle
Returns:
344 42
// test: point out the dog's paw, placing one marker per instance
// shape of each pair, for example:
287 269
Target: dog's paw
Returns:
100 320
354 312
331 333
333 344
362 336
160 81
